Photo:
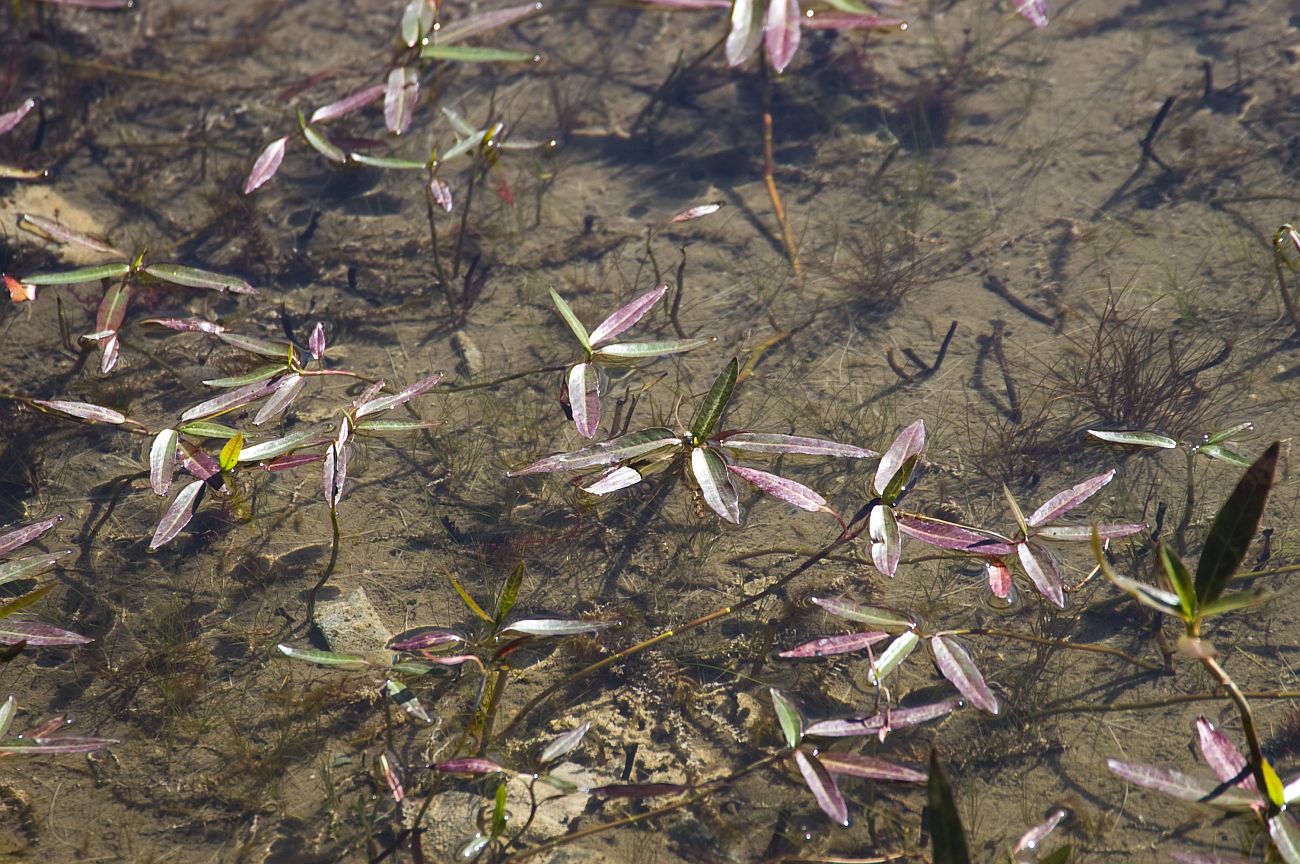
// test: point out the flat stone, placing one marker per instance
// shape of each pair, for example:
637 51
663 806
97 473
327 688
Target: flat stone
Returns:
351 624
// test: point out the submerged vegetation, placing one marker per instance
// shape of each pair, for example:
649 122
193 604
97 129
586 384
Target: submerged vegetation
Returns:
322 602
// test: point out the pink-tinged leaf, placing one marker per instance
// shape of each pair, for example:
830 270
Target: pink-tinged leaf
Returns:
627 315
1083 533
384 403
886 542
1041 568
266 165
583 382
563 744
765 442
10 119
392 778
746 31
783 489
229 401
178 514
400 96
112 311
38 634
1063 502
853 765
1223 757
620 449
956 664
82 411
286 390
162 461
424 640
947 535
335 473
291 461
555 627
368 394
407 700
316 342
781 32
614 480
110 348
637 790
823 787
1031 839
999 575
1286 838
895 718
468 765
19 292
20 537
441 191
32 565
55 230
885 619
187 325
828 645
193 277
54 746
908 443
852 21
279 446
453 660
693 213
198 463
345 106
1033 10
710 474
1179 785
472 25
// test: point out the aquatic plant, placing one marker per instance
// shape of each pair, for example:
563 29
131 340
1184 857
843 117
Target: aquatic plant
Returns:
8 121
18 632
706 454
45 738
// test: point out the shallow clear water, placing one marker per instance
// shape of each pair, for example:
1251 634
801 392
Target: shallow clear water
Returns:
969 170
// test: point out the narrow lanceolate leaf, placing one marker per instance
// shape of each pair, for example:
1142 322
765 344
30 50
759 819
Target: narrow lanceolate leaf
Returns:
709 414
266 165
781 32
10 119
54 746
947 835
692 213
624 352
1223 757
889 621
948 535
1170 782
279 446
886 541
828 645
112 309
20 537
229 401
1234 527
463 146
323 145
715 484
400 96
177 515
334 473
895 718
956 664
162 461
870 767
193 277
584 398
1178 578
384 403
13 172
228 458
286 390
407 700
628 314
1041 568
766 442
909 443
468 765
324 658
474 54
261 373
56 230
789 716
999 577
564 744
472 25
1035 11
1224 435
614 480
316 342
81 274
746 30
38 634
852 21
1063 502
1083 533
389 427
566 312
32 565
556 627
253 345
1285 836
187 325
620 449
898 650
1136 439
197 462
1223 454
208 429
822 785
781 488
1032 839
82 411
345 106
7 711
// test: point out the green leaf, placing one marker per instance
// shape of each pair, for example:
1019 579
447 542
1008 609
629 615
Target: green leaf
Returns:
1147 595
1015 510
81 274
1234 527
947 836
324 658
509 594
7 711
208 429
261 373
709 414
625 351
322 145
387 162
381 427
193 277
472 54
1273 784
1178 578
1224 434
566 312
1139 439
787 713
1234 601
468 600
229 456
1223 454
499 811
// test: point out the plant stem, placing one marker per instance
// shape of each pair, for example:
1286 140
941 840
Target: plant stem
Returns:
769 175
329 568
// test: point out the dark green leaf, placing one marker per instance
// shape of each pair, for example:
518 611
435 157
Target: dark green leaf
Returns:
790 718
83 274
946 833
473 54
709 414
509 594
1176 574
1234 527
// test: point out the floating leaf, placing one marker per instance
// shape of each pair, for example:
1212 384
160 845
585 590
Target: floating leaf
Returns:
400 97
895 718
193 277
286 390
229 401
468 765
1033 10
407 700
623 352
698 212
709 414
618 449
637 790
177 515
948 535
1223 757
323 145
7 711
261 373
208 429
20 537
316 342
566 312
829 645
1081 533
746 31
1234 527
53 746
999 576
38 634
81 274
563 744
1063 502
229 456
956 664
279 446
424 640
781 32
766 442
822 785
56 230
1138 439
584 398
885 619
482 22
32 565
82 411
1179 785
254 345
10 119
345 106
474 54
1042 569
266 165
898 650
886 542
909 443
710 474
1031 839
789 716
1285 836
853 765
324 658
162 461
795 494
385 427
842 21
385 403
556 627
627 315
613 480
417 20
